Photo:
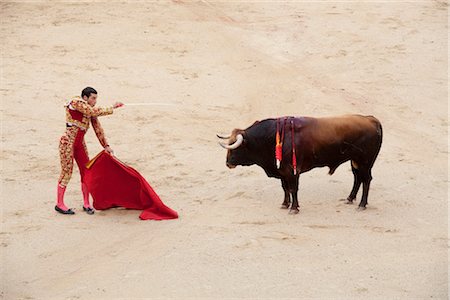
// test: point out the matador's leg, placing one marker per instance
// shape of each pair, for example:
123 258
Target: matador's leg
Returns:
66 158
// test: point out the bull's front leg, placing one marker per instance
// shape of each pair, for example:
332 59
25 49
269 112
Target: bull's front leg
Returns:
287 196
294 208
293 187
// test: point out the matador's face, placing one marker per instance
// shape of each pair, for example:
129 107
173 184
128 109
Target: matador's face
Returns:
92 100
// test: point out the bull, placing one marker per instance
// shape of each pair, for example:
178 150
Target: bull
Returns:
315 142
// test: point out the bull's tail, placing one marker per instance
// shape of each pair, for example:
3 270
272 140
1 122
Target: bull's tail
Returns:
380 132
379 129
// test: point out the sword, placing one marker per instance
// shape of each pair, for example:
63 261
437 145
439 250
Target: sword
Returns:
150 104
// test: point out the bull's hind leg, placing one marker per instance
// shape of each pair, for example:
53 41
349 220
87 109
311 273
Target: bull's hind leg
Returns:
356 183
287 198
366 178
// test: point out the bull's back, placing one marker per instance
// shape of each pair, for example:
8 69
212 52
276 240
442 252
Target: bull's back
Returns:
334 140
344 128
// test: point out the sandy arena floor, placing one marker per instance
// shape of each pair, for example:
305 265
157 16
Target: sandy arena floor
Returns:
225 65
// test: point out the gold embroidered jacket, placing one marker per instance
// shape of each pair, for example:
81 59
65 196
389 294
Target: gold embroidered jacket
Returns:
79 113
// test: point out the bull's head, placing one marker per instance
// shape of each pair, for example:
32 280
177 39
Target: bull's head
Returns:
238 153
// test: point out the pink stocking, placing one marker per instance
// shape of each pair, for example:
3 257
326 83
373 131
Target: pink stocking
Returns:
60 202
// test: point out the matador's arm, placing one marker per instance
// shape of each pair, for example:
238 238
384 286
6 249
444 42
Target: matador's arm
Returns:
99 132
90 111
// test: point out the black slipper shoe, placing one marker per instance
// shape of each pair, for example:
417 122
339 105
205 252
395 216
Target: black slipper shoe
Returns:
89 210
64 212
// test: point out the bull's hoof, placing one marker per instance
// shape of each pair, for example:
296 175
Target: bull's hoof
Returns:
361 208
293 211
284 206
349 201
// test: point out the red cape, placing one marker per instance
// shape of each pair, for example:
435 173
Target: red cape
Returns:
112 183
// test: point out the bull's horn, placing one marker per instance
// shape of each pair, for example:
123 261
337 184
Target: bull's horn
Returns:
223 137
239 140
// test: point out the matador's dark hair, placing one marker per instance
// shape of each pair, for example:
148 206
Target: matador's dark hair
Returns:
88 91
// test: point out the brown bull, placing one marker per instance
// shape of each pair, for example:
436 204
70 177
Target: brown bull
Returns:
318 142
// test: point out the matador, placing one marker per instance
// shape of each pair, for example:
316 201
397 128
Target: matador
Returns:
80 112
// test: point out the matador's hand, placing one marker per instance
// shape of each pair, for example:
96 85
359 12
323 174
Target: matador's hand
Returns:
118 104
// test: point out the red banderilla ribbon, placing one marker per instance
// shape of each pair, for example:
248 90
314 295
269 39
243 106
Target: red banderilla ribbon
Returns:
279 141
278 150
294 157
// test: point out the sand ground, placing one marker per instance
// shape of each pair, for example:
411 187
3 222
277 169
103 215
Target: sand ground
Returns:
225 65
